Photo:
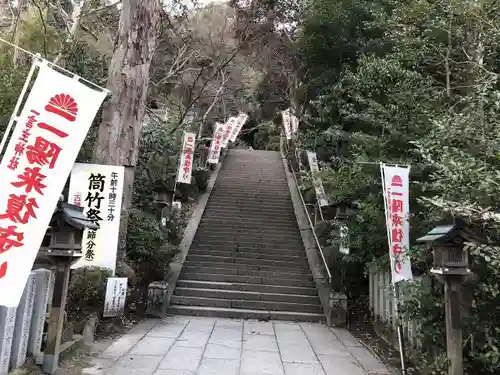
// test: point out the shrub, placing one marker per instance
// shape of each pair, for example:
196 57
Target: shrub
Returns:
87 292
148 249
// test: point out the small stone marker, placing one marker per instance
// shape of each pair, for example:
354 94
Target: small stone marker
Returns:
7 324
23 324
116 293
157 299
42 284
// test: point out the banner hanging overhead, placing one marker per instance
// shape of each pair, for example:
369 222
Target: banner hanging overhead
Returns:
228 131
240 121
395 185
287 123
216 145
186 161
99 189
48 135
318 184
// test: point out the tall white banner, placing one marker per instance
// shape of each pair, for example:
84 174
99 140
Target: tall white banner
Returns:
395 184
216 145
318 184
186 162
228 131
99 190
294 121
49 133
240 121
287 123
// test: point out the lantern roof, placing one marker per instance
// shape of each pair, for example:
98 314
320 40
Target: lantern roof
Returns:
458 230
72 215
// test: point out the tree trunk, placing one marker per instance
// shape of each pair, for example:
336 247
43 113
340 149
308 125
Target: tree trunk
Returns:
123 113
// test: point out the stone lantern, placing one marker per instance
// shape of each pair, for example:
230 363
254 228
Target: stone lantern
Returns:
66 233
341 211
162 195
451 268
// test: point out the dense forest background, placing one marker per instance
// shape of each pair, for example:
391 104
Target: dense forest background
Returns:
398 81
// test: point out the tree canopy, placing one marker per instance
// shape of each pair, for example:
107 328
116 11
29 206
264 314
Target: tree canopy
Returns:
395 81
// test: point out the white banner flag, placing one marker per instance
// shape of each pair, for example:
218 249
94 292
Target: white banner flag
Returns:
228 131
318 184
240 121
287 123
216 145
49 133
295 123
395 184
186 163
99 189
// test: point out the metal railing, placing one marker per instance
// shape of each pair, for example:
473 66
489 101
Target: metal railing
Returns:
304 204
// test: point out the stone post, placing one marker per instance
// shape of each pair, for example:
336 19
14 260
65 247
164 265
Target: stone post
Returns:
56 322
454 345
43 283
7 323
23 324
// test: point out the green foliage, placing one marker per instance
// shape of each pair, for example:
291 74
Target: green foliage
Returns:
412 82
148 249
267 137
11 82
87 292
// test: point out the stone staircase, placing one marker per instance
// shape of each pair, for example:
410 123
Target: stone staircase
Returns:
247 259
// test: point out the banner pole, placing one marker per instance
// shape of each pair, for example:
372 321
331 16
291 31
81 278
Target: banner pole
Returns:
14 116
395 289
179 157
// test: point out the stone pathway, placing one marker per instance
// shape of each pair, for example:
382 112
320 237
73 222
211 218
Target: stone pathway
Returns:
182 345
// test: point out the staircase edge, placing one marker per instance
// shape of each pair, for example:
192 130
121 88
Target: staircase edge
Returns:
333 301
190 230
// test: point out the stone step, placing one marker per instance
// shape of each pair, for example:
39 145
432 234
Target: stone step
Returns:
198 243
250 279
275 237
244 304
252 194
242 239
269 174
229 201
238 254
262 231
188 270
217 212
245 313
199 249
230 260
245 295
243 203
216 215
251 223
246 287
277 188
253 267
244 182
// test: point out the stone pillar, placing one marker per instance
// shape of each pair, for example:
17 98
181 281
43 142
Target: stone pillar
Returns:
7 323
157 299
23 324
43 282
56 322
454 344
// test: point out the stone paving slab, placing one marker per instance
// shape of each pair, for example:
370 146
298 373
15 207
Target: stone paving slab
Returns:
181 345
